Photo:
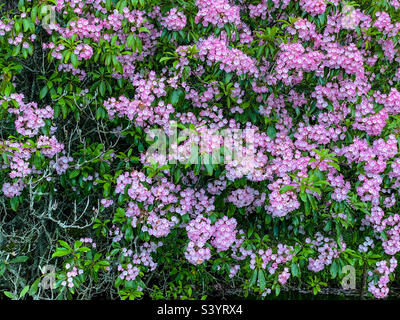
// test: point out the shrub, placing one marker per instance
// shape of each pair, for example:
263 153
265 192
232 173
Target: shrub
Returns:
273 127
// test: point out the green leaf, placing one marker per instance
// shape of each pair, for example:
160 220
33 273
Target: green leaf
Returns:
24 291
303 196
277 290
253 278
10 295
295 270
129 234
43 92
307 208
328 226
74 174
60 252
17 26
34 13
14 202
286 188
335 165
26 25
64 110
74 60
271 132
114 39
34 287
16 50
165 59
175 97
209 169
2 268
19 259
139 44
261 280
120 212
107 188
313 202
77 244
102 88
64 244
334 269
144 29
99 113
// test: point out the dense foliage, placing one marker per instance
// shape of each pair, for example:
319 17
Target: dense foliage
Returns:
89 87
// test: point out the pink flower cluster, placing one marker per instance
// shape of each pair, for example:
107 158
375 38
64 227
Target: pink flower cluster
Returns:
174 21
340 185
368 243
143 255
284 276
49 146
217 13
327 251
74 272
350 17
245 197
197 255
391 245
231 60
200 230
391 101
272 261
14 189
194 202
379 288
372 124
293 61
88 241
224 233
83 51
318 90
69 68
29 117
262 9
5 26
106 202
144 115
84 28
305 30
159 227
383 22
61 164
234 270
313 7
280 204
128 273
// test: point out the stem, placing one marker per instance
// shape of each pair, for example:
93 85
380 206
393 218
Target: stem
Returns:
364 281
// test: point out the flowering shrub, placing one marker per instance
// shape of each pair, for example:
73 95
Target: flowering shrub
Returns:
285 172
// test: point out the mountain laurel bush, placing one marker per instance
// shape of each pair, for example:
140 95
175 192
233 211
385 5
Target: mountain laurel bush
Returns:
86 85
